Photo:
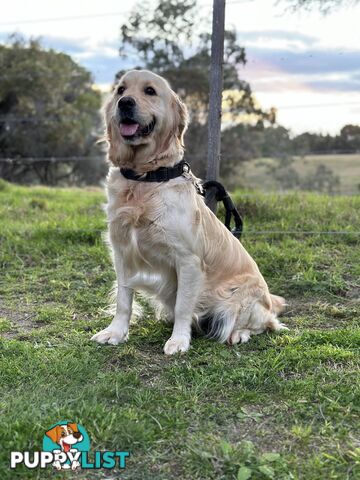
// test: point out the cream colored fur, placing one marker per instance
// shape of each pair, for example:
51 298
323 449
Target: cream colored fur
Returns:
164 239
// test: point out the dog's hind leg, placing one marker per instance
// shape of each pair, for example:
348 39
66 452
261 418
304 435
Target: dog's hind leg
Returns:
167 298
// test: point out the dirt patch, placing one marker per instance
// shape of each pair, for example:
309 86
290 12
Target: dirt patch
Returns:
149 365
353 293
20 321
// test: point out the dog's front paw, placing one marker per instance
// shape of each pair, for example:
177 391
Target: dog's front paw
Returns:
239 335
176 344
110 336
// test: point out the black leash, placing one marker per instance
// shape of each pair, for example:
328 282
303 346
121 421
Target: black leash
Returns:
164 174
221 195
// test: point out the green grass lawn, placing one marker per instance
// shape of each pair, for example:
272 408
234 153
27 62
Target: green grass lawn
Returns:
283 406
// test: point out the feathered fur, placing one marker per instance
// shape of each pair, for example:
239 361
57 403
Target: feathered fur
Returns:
167 243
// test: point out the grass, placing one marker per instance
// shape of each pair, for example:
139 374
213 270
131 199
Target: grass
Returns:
282 406
346 167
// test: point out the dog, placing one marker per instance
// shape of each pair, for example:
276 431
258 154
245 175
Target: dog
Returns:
164 240
66 436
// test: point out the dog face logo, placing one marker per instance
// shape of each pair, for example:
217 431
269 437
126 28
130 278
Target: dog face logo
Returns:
65 435
67 441
66 446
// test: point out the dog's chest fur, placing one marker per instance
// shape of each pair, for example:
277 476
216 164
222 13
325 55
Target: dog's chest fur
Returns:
136 215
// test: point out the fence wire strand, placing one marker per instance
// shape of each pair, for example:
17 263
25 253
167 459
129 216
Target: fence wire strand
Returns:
245 232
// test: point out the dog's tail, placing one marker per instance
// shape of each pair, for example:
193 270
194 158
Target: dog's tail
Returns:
278 304
219 324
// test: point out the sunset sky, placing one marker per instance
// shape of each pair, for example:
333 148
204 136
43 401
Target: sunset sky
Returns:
305 64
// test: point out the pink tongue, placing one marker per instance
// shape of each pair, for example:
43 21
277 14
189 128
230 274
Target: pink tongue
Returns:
66 447
127 129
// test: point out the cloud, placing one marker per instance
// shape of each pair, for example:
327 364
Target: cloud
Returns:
310 61
285 36
101 58
62 44
290 60
349 85
82 47
104 68
315 68
277 60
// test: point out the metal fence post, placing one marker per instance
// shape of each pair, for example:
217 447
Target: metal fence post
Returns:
215 96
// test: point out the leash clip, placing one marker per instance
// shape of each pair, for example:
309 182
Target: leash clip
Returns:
186 167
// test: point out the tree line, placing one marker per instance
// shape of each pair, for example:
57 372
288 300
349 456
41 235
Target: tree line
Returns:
49 105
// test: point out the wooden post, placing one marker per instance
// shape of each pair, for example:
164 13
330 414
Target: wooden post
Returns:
216 86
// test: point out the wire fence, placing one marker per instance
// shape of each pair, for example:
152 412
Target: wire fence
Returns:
10 164
246 233
52 160
189 157
244 195
37 118
47 118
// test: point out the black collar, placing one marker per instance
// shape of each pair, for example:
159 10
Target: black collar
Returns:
162 174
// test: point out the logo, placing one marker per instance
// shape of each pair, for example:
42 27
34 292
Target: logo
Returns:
66 446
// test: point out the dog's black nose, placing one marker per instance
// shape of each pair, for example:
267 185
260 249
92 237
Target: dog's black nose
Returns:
77 434
126 103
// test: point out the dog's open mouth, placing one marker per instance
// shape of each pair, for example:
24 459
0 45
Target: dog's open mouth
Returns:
130 129
66 447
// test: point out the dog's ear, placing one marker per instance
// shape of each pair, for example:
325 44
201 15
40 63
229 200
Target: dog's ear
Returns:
182 117
73 427
54 434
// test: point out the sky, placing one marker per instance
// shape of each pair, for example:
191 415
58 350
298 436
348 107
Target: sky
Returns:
305 64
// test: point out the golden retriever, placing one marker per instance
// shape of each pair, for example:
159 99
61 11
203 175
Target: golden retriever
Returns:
164 239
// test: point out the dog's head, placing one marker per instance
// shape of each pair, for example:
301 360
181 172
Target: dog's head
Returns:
145 122
65 435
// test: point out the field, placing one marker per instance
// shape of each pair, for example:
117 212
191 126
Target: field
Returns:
346 167
283 406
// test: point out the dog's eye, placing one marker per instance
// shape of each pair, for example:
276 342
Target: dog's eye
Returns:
63 434
149 91
120 90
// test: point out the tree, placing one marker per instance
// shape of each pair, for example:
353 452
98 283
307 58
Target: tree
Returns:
172 40
322 180
240 143
350 138
275 142
48 108
313 143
